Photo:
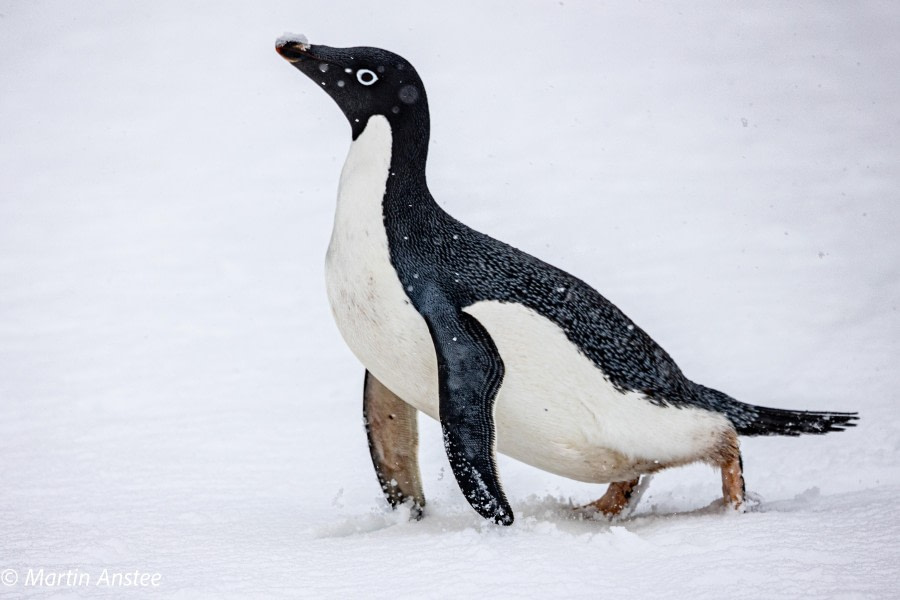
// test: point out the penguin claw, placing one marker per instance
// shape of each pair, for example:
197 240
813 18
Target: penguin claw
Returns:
593 513
589 512
416 510
750 503
619 501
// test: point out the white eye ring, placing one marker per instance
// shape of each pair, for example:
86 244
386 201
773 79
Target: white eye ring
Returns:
366 77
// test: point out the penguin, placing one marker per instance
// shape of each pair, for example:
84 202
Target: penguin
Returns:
507 352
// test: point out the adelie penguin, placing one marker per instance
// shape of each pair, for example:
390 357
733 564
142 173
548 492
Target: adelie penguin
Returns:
508 352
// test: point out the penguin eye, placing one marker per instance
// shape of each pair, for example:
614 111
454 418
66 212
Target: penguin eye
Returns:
366 77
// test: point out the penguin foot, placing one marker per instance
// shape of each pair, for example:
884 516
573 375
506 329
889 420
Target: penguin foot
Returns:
750 503
394 445
416 510
733 491
619 501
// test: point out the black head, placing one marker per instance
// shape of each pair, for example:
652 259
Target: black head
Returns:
363 81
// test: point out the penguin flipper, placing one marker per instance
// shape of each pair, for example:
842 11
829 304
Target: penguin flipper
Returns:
394 445
470 372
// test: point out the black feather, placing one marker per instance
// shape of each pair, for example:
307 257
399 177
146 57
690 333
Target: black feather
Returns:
762 420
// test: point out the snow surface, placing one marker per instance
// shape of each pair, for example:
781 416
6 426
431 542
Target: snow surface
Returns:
174 397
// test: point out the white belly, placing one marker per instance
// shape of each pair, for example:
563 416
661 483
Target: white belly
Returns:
555 409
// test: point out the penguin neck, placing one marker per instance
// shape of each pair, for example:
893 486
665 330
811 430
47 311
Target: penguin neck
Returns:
383 176
409 152
394 152
409 138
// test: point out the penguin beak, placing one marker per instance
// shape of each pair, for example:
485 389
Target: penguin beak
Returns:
324 65
296 49
293 50
309 58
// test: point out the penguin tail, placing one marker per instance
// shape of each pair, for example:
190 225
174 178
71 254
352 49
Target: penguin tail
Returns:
761 420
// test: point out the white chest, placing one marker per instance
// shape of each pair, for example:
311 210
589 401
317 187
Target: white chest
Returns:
371 309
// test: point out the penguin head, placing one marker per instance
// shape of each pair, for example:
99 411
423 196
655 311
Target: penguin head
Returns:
362 81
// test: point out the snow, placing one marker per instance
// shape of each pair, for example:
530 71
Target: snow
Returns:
296 38
175 399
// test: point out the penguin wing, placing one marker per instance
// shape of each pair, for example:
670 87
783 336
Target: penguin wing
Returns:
470 372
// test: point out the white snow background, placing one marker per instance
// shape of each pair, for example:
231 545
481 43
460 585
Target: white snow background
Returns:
174 397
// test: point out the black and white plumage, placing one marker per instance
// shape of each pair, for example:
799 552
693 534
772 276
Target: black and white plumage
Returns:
504 349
